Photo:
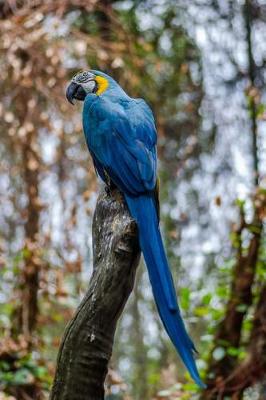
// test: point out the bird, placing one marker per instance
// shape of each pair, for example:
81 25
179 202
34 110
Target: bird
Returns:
121 136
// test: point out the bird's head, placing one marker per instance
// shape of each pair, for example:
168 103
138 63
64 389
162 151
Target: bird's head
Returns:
87 82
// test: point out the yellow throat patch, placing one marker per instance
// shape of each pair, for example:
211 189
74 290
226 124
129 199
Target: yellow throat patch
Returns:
102 84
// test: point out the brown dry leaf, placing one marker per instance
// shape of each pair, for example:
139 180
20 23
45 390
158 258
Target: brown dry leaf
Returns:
33 164
218 201
86 195
173 234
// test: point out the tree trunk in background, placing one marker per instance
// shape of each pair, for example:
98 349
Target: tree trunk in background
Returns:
241 298
25 316
253 368
104 19
230 328
26 313
30 273
252 72
87 344
140 354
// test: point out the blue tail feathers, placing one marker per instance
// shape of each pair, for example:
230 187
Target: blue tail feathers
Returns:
143 210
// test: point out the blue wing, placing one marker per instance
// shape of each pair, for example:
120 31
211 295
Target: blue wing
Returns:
121 137
122 142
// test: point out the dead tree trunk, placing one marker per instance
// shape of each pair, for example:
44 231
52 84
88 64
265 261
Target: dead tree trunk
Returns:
87 344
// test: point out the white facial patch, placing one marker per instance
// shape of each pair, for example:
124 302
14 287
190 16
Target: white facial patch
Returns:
89 86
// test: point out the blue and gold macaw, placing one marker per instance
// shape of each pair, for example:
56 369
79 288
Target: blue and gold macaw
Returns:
121 137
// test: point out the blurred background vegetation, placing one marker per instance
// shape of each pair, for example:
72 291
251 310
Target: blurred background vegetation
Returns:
201 65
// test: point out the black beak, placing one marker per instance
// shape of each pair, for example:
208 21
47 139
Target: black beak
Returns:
75 91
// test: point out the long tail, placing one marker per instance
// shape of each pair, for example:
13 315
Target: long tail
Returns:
143 210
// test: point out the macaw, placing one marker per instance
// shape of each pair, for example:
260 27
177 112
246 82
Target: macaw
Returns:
121 136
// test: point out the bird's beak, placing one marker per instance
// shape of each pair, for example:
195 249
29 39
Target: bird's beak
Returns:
75 91
71 91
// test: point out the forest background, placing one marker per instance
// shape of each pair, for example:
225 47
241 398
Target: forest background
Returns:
201 65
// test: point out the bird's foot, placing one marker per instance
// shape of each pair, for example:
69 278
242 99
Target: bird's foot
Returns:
108 190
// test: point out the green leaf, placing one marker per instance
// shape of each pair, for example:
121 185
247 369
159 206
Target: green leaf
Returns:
233 351
40 372
22 376
222 292
185 298
240 203
201 311
241 308
190 386
207 299
261 108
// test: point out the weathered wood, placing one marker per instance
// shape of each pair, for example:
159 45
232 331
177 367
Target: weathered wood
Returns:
87 344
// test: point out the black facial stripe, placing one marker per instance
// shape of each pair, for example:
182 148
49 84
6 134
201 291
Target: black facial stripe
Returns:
95 88
80 93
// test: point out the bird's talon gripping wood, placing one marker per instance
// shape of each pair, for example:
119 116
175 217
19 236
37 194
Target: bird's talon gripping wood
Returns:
108 190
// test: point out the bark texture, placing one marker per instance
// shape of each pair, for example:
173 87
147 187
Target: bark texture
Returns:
86 347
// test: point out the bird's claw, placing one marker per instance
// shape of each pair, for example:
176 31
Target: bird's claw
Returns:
108 190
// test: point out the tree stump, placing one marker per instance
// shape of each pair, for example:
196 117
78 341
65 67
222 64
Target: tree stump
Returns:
87 343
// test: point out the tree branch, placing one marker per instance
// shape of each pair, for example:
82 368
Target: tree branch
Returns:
230 328
253 368
87 344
